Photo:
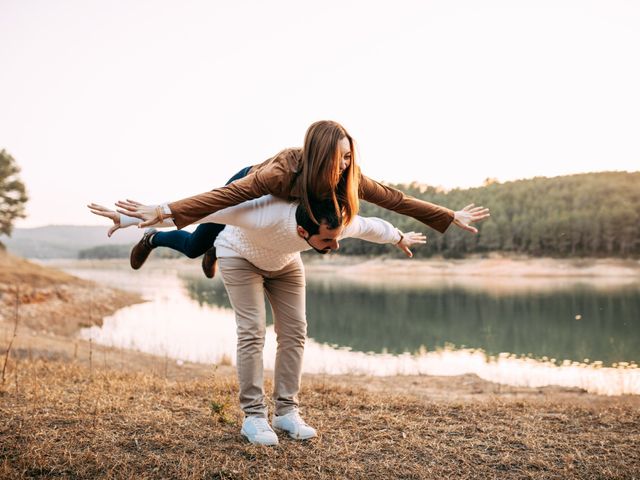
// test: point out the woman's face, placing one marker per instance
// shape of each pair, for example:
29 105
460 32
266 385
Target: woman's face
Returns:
344 148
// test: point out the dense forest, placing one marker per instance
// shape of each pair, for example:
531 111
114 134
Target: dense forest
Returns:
584 215
591 214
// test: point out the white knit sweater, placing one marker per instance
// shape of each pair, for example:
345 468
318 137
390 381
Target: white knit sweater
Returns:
272 241
270 247
263 231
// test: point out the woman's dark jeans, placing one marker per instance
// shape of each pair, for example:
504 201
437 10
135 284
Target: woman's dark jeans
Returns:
193 244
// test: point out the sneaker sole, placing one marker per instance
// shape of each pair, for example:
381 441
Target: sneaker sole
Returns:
295 437
258 443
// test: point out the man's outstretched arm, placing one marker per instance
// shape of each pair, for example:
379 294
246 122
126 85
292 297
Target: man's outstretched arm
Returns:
376 230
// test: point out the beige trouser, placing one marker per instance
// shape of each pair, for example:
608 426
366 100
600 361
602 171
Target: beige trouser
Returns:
246 285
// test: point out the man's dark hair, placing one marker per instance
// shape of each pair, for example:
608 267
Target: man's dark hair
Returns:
323 211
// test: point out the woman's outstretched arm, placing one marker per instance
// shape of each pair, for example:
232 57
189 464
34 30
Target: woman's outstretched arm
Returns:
432 215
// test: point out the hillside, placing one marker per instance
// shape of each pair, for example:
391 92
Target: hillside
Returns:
583 215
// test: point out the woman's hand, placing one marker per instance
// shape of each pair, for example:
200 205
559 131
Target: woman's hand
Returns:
147 213
470 214
105 212
410 239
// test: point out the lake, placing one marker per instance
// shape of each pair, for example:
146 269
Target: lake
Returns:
573 332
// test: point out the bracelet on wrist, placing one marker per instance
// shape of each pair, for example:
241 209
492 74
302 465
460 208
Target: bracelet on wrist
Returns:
160 215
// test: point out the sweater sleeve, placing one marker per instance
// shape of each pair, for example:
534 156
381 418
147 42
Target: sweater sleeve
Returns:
273 177
371 229
434 216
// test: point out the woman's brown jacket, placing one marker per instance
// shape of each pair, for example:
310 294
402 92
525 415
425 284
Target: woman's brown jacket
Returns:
280 177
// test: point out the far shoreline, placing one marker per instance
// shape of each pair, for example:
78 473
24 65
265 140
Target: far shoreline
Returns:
496 275
492 265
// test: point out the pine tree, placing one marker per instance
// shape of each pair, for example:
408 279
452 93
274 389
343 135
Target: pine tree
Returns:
13 194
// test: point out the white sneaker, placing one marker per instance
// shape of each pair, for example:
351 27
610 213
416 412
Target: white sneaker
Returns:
293 424
258 431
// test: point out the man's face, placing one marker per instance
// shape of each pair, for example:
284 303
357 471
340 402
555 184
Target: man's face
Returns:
325 240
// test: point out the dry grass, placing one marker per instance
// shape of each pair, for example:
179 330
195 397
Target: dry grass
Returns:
64 418
69 409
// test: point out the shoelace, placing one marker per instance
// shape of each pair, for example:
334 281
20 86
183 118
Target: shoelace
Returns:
299 419
260 424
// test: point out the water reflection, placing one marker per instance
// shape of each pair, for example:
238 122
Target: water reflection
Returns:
575 323
506 369
188 318
205 291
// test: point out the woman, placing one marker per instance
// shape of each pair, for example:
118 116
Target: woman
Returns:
325 168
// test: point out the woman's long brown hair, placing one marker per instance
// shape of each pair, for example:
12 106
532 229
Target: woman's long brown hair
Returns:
321 177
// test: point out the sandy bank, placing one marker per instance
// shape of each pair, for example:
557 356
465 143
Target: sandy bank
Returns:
52 301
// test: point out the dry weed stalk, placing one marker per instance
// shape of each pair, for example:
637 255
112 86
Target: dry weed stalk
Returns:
15 377
15 333
95 413
90 359
35 385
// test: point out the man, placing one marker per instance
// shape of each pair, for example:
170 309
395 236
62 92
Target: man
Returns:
259 253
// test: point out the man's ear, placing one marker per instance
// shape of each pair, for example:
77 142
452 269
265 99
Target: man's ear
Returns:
302 233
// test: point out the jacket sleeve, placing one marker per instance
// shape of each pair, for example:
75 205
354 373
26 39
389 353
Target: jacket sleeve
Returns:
434 216
273 177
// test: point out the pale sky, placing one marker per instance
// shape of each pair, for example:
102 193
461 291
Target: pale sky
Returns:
158 100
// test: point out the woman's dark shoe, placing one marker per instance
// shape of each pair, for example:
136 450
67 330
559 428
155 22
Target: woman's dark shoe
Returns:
209 262
141 250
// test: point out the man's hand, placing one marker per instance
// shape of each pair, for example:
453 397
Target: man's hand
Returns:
470 214
410 239
105 212
147 213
